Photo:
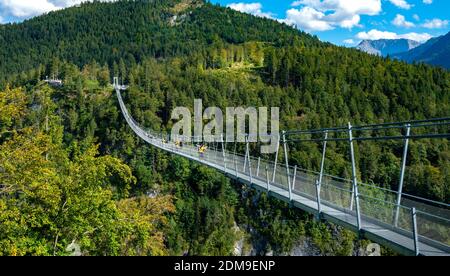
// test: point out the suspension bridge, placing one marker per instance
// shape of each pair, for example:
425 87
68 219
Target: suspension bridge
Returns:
408 224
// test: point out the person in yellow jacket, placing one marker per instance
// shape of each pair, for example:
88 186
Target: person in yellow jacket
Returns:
202 149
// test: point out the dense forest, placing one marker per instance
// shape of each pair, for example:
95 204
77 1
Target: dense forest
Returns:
131 30
71 171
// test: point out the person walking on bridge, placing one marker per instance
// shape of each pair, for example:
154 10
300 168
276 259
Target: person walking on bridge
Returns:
202 149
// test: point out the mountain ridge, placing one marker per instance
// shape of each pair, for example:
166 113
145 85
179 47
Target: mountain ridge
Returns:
131 30
435 51
386 47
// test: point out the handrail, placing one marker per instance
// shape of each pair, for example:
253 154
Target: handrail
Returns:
370 127
216 159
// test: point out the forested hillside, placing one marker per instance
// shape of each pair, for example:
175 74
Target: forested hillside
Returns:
131 31
75 135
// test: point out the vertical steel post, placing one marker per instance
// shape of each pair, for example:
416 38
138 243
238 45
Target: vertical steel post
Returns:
319 207
235 161
257 167
294 178
415 233
245 157
355 193
322 163
267 179
223 153
248 158
276 159
402 174
287 165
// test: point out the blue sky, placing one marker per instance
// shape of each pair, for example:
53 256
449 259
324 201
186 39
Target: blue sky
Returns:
347 22
343 22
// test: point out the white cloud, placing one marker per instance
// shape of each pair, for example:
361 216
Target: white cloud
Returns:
251 8
349 41
246 7
402 4
350 22
435 24
428 2
321 15
416 17
420 37
369 7
29 8
308 19
376 34
25 8
400 21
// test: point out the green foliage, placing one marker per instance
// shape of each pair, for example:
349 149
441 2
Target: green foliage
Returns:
205 211
72 170
278 227
126 32
12 107
330 241
52 196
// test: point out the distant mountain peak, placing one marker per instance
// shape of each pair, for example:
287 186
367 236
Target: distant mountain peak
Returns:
385 47
435 51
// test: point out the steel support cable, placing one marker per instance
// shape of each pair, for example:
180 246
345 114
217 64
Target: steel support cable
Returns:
137 129
414 124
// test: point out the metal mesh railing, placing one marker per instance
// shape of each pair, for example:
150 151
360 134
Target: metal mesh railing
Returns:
337 193
305 185
377 206
433 227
